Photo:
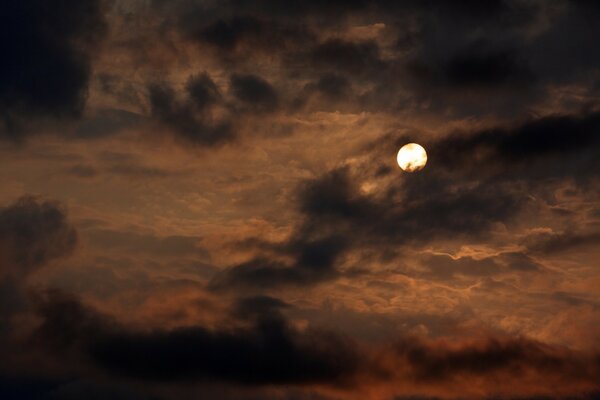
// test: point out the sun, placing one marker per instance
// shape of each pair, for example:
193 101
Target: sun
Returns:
412 157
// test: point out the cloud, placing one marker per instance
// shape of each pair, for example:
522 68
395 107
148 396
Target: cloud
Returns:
227 34
266 351
244 35
554 146
477 66
48 46
203 91
475 180
355 58
438 361
557 242
254 92
107 122
411 213
314 261
333 86
148 244
338 218
189 119
33 233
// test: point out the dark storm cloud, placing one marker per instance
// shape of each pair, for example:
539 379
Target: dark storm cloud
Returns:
567 50
554 146
67 323
226 34
46 51
254 92
333 86
203 91
499 57
267 351
338 217
466 58
474 180
477 66
314 261
189 119
302 8
250 307
425 207
433 363
265 354
32 233
355 58
253 33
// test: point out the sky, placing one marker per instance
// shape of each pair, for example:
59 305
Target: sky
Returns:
199 199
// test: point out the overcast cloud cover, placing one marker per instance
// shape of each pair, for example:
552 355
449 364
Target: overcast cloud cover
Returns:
200 199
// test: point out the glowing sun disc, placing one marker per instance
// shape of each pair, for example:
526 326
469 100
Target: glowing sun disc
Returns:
412 157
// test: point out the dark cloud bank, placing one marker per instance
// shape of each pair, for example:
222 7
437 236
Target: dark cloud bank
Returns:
476 179
459 58
46 48
463 58
266 348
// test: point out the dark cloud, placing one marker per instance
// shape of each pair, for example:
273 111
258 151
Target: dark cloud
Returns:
268 351
67 325
32 233
203 91
464 58
548 147
433 363
334 194
426 206
314 261
46 45
503 165
226 34
361 233
476 66
333 85
355 58
302 8
258 306
338 217
189 119
246 34
254 92
565 51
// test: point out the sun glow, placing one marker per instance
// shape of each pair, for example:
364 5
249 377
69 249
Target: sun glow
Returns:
412 157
